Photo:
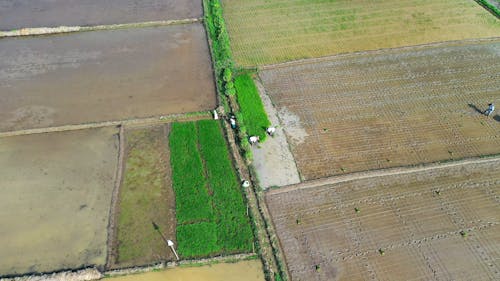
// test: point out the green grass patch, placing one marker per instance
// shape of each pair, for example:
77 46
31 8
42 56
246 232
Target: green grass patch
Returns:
204 158
251 106
197 240
233 232
193 203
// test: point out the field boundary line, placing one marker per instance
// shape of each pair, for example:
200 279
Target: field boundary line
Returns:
112 251
130 122
377 52
33 31
380 173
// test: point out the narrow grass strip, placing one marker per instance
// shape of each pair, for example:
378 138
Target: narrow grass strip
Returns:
251 106
193 203
491 7
234 233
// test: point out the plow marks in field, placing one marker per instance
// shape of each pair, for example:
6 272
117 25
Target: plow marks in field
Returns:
390 108
436 224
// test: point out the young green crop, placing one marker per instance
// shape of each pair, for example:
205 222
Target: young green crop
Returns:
252 109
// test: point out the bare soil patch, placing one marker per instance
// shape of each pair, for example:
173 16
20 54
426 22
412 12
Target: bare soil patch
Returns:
16 14
391 108
55 197
146 210
440 224
264 32
104 75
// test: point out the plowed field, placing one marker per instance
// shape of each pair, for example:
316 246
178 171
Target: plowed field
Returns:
264 32
439 224
390 108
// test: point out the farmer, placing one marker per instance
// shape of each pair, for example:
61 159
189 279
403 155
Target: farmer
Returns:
254 140
489 111
271 131
232 121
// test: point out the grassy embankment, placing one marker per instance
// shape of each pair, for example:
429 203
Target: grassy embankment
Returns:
211 212
249 118
145 197
491 7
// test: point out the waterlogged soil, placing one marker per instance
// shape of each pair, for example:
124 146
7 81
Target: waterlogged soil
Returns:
240 271
438 224
391 108
104 75
55 196
16 14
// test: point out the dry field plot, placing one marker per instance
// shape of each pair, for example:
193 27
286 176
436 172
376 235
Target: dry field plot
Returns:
264 32
393 108
104 75
418 228
55 196
16 14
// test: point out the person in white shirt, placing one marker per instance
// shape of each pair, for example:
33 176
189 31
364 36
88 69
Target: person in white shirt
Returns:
489 111
254 139
271 131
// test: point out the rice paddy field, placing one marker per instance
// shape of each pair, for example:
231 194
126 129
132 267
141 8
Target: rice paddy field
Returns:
267 32
435 224
56 193
389 108
146 212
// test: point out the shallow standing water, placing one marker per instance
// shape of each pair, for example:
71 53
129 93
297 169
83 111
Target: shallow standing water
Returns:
241 271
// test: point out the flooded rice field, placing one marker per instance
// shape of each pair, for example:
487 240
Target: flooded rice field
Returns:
55 196
106 75
16 14
240 271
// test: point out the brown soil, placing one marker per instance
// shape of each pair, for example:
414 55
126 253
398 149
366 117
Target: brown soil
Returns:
390 108
55 197
416 219
104 76
16 14
145 197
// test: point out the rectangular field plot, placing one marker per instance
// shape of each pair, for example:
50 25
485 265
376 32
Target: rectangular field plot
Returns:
55 195
146 197
401 107
104 75
407 231
16 14
266 32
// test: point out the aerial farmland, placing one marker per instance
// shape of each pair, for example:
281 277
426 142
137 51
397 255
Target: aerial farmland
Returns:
250 140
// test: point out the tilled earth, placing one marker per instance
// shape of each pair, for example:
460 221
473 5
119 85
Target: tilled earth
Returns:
390 108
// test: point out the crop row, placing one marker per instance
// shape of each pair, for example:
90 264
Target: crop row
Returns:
211 212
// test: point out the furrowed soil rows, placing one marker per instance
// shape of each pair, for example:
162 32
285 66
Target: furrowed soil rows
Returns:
103 76
439 224
264 32
16 14
55 196
394 108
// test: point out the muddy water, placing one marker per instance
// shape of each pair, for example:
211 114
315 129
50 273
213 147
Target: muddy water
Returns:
106 75
241 271
15 14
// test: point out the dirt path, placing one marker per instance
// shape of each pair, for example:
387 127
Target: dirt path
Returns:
380 173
